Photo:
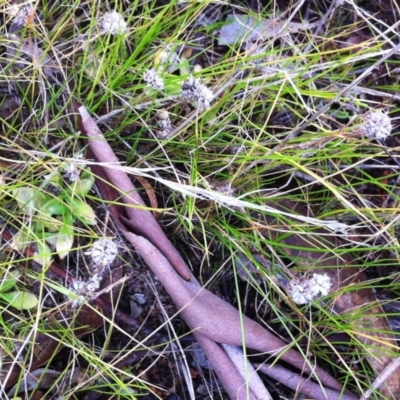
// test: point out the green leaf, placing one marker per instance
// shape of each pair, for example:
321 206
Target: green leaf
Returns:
83 211
47 225
20 299
57 287
21 239
41 198
51 238
55 206
184 67
43 254
25 197
9 280
65 240
84 184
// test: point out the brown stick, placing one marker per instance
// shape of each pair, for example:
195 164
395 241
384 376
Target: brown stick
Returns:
210 316
212 319
140 219
302 385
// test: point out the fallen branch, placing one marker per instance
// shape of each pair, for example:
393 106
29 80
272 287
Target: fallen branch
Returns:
299 384
140 219
212 320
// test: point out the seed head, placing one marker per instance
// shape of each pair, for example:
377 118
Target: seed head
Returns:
71 172
165 124
94 283
113 22
78 287
377 125
103 253
193 90
153 79
305 290
82 288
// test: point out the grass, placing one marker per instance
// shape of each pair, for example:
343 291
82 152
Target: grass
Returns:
212 166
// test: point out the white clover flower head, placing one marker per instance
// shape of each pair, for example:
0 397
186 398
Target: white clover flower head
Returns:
323 283
165 124
113 22
103 253
377 125
305 290
94 283
301 291
71 172
153 79
82 288
78 287
21 13
166 128
193 90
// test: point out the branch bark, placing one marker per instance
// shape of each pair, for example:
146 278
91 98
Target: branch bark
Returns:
212 320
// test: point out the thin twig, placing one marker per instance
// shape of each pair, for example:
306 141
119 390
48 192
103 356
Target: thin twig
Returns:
382 378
